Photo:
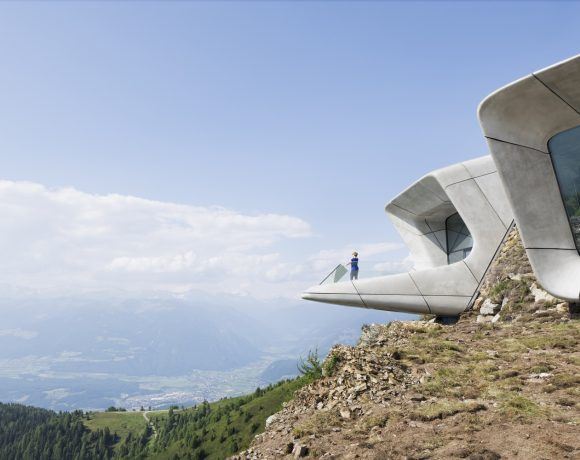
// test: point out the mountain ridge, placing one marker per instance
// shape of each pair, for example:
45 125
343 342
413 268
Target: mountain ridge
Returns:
503 382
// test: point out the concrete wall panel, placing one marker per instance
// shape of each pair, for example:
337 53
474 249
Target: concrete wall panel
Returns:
526 114
534 195
479 166
409 304
493 189
558 269
529 112
563 80
447 305
453 280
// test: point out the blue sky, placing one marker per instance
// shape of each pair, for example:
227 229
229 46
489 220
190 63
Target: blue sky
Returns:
318 111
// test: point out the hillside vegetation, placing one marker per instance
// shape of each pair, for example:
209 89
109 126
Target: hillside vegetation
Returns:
210 430
501 383
30 433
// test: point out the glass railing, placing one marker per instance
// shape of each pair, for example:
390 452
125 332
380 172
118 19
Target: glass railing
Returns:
335 275
371 268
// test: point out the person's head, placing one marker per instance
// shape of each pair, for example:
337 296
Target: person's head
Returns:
355 254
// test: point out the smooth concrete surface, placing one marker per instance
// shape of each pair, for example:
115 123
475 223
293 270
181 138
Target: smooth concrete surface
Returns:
558 269
526 113
532 189
518 121
419 214
562 78
409 304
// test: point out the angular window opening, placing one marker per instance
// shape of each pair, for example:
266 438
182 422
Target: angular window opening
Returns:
459 240
564 150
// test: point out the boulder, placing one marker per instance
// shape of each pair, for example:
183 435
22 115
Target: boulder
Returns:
489 308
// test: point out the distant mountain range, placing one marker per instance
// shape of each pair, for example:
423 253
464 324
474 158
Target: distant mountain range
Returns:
72 353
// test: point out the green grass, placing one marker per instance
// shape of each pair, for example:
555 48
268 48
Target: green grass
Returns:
122 423
223 427
213 431
516 405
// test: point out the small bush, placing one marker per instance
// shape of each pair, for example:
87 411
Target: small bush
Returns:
330 365
311 367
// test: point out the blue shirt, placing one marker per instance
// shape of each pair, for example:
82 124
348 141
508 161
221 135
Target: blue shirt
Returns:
354 264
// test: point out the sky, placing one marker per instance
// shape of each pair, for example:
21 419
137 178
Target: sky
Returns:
236 147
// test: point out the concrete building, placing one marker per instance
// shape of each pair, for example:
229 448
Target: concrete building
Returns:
532 127
453 220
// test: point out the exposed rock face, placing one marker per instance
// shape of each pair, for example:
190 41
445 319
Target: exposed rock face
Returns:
505 386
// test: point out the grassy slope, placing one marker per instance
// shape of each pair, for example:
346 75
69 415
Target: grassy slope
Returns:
245 426
246 421
120 422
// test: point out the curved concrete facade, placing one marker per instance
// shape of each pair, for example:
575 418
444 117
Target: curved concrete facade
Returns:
471 189
518 121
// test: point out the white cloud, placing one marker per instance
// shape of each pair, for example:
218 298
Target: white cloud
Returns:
18 333
59 242
64 241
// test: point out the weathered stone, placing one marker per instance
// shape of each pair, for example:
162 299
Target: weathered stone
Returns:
489 308
271 419
540 295
483 319
345 413
300 451
495 319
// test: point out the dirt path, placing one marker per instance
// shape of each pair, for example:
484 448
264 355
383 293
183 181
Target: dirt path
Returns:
150 423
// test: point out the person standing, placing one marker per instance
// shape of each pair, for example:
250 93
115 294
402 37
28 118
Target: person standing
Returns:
354 266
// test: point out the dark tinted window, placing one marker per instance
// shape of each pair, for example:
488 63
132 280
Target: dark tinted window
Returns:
459 240
565 151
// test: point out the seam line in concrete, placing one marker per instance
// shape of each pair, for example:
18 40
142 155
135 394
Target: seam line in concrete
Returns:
474 277
550 249
419 291
511 226
491 205
471 178
360 297
555 93
516 144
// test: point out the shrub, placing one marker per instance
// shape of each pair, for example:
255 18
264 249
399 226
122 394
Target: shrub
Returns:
311 367
330 364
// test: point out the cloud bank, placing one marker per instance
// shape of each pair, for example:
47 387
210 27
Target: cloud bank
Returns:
67 242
